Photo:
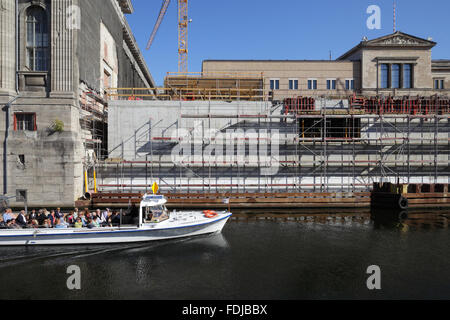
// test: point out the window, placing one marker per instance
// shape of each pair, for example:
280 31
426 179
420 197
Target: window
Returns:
274 84
21 195
25 122
395 76
384 76
331 84
335 128
439 84
293 84
37 39
349 84
407 76
106 79
312 84
21 159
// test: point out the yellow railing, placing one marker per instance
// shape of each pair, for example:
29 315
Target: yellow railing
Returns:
216 74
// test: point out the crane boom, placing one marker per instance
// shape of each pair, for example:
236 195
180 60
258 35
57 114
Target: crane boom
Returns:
162 13
183 23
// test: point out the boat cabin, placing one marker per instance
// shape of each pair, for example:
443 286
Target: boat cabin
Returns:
153 209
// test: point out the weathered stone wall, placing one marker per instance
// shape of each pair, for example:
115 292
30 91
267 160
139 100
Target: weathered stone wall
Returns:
422 67
48 164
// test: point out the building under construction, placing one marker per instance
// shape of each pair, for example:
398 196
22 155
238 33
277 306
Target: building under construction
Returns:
379 113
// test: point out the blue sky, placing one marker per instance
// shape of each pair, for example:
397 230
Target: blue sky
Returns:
283 29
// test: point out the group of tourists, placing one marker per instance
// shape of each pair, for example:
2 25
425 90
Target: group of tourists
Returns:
57 219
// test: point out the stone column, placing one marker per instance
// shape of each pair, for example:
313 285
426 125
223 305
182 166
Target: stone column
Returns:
7 46
62 50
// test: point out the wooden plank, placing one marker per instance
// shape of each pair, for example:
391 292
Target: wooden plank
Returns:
270 205
264 195
426 195
429 201
266 200
116 201
116 195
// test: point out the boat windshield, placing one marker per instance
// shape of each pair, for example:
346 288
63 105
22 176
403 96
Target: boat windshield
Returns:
156 214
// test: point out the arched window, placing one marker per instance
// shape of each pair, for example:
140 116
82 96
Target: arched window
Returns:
37 39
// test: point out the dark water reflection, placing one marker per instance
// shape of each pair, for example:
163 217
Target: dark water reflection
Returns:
267 256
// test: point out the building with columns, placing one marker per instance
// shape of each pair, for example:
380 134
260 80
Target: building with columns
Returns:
398 64
57 57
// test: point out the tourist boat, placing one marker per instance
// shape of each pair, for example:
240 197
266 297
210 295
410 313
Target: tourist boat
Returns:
155 222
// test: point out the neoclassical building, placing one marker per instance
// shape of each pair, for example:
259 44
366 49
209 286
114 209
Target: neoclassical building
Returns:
57 57
398 64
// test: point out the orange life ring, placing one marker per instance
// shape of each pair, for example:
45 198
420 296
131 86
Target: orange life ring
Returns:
210 214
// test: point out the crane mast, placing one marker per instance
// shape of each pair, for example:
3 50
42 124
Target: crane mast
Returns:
183 23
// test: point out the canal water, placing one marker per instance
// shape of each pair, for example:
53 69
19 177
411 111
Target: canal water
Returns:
306 256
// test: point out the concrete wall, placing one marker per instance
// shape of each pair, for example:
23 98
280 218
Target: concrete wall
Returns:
132 123
133 137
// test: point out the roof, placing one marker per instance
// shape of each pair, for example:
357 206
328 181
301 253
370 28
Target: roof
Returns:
269 60
395 40
440 65
126 6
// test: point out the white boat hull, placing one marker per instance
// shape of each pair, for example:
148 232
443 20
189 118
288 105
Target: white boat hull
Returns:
151 232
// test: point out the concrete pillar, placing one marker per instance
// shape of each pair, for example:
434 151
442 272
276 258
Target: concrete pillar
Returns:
7 46
62 39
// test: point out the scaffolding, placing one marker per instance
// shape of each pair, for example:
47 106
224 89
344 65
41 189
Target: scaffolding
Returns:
195 86
319 149
94 123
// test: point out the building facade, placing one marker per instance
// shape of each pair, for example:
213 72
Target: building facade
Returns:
398 64
57 57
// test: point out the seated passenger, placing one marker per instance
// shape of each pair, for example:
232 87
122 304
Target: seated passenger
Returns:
41 216
90 224
52 218
2 223
60 224
58 213
21 219
7 216
104 216
70 219
96 222
83 218
13 225
78 223
32 224
46 224
115 219
33 215
75 213
107 222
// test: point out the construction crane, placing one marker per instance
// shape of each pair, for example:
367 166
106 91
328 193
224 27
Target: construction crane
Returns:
183 23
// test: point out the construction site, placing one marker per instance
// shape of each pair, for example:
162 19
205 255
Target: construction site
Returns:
206 144
373 123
